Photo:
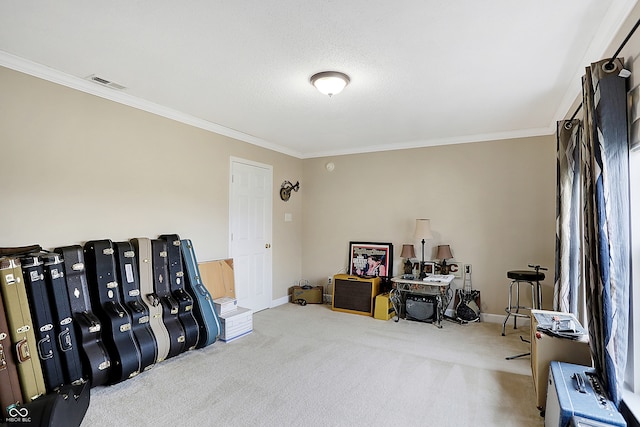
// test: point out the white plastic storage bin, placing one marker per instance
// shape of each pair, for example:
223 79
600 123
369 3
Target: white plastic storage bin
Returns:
225 305
236 324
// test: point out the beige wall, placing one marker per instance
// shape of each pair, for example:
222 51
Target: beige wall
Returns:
75 167
492 202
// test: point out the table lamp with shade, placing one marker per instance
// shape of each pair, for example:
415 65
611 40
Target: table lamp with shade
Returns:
408 252
444 253
423 233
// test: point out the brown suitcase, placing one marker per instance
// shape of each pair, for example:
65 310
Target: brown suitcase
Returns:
304 295
10 392
21 331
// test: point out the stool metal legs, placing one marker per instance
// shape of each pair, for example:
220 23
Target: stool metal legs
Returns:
514 310
533 279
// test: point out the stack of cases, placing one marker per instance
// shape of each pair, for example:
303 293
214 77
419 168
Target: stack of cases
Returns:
234 321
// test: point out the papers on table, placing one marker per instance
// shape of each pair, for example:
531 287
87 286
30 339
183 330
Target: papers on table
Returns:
439 278
563 325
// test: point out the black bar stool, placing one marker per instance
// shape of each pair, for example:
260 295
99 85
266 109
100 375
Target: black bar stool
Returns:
532 278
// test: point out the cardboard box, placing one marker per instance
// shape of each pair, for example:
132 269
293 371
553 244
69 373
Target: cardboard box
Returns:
225 305
384 307
311 295
235 324
218 277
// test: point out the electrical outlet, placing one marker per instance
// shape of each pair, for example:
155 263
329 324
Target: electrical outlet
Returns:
329 280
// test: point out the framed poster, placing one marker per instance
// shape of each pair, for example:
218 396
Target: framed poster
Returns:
370 259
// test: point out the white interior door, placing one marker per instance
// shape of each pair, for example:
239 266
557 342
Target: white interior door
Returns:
250 204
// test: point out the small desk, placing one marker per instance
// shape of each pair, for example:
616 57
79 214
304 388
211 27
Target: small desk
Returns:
440 289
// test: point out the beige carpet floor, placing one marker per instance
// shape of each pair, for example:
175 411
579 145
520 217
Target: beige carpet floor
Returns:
311 366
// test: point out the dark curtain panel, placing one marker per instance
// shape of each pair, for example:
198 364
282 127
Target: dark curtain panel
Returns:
568 238
606 246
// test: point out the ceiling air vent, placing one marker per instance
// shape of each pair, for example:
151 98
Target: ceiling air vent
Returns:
105 82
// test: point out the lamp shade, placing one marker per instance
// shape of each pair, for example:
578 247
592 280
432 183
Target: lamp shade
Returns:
423 229
444 252
408 252
330 82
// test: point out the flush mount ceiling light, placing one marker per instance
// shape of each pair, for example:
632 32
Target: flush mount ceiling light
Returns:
330 82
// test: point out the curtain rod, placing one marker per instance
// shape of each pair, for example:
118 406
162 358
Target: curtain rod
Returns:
576 112
613 58
624 42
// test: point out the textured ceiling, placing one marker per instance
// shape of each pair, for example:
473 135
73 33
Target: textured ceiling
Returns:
423 72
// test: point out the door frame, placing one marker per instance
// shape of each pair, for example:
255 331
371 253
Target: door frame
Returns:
269 227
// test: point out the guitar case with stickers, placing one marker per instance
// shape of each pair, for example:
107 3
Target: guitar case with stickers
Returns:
96 363
42 317
21 333
203 308
176 282
127 270
116 320
150 299
170 307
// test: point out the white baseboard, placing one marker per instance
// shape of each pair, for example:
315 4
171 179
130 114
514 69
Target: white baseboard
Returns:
484 317
284 300
280 301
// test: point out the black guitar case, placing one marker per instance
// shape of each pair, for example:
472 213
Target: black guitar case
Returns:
144 257
66 407
177 285
105 300
33 274
127 270
95 358
64 325
170 307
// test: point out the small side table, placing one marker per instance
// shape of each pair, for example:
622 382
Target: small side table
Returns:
437 285
545 348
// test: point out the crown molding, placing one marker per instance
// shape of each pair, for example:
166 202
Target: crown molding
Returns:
46 73
524 133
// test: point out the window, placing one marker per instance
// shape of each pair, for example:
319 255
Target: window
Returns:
631 396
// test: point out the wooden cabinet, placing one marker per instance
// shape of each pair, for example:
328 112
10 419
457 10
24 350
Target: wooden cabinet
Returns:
545 348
